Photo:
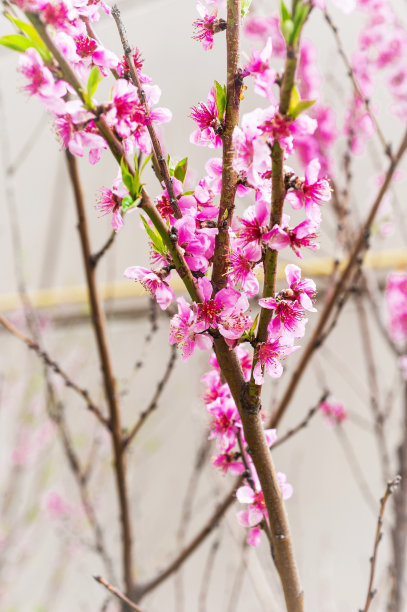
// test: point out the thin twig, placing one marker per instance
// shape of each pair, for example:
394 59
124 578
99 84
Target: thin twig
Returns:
371 592
207 574
142 97
108 376
117 594
53 365
99 254
154 401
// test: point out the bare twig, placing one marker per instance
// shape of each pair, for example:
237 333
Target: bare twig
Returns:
99 254
390 488
118 594
53 365
108 377
154 401
207 573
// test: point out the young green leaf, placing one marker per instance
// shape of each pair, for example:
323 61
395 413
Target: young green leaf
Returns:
127 203
287 28
302 106
94 79
126 176
156 239
180 170
33 35
16 42
285 13
244 7
220 99
145 162
300 16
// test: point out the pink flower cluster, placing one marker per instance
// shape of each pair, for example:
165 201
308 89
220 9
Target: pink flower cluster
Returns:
67 24
334 411
226 429
396 301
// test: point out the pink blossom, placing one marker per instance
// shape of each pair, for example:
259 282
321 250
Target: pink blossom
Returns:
253 539
206 26
261 27
152 283
240 270
269 355
77 130
303 235
311 193
254 228
251 153
225 423
259 67
334 411
55 506
301 290
186 331
347 6
396 301
210 126
287 313
284 129
228 463
41 82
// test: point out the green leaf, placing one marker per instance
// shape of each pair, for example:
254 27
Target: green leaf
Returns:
145 162
188 192
33 36
127 202
294 99
180 170
16 42
156 239
220 99
94 79
287 28
244 7
300 16
285 13
302 106
126 176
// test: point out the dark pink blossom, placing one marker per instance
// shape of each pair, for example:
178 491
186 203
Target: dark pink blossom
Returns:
210 126
334 411
269 355
396 302
206 26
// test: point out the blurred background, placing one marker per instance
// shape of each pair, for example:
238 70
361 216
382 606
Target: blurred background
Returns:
47 556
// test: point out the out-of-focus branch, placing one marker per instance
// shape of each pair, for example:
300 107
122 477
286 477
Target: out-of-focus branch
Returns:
118 594
371 592
53 365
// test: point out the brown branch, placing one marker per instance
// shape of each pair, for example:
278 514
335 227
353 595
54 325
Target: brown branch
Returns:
99 254
108 376
229 176
353 260
142 589
153 404
391 486
117 594
53 365
150 127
